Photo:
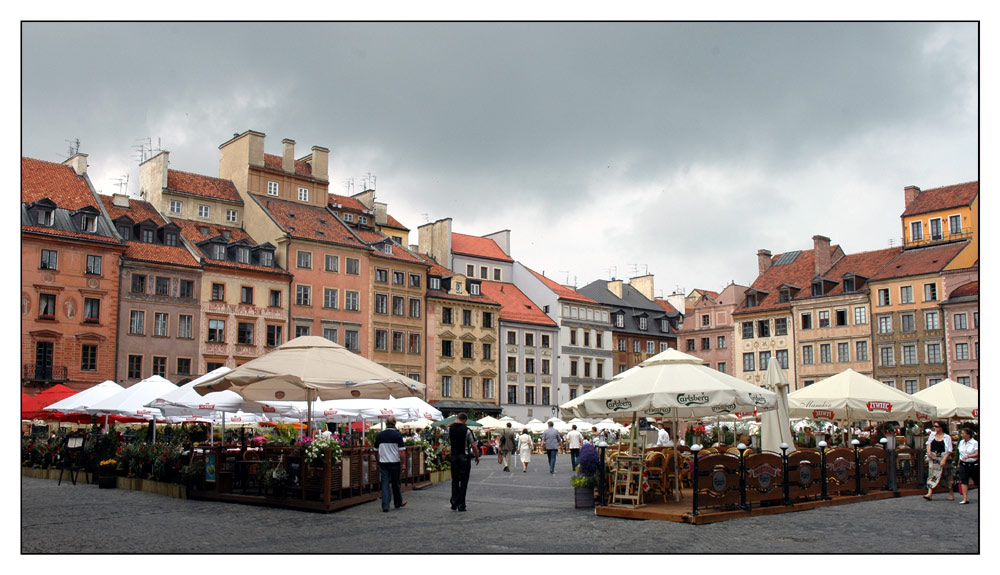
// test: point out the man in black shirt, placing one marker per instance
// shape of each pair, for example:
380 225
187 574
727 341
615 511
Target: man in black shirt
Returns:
461 440
389 442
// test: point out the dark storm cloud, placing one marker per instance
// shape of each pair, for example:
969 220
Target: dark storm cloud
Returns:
546 129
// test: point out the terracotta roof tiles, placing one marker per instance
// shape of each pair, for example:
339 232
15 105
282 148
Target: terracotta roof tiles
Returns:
942 198
799 271
57 182
921 261
477 247
436 268
865 264
969 289
515 306
140 211
68 234
347 202
308 222
302 168
560 290
204 186
391 222
665 305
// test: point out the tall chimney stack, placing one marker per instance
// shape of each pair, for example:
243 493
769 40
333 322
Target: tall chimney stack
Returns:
78 162
320 163
821 254
763 261
615 287
288 155
910 193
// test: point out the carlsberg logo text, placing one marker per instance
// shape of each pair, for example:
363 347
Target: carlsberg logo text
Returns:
758 399
618 404
692 398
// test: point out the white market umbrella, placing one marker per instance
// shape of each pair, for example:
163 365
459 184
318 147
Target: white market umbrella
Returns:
420 407
852 396
535 426
131 401
80 402
310 368
414 425
775 428
560 425
514 424
491 423
952 400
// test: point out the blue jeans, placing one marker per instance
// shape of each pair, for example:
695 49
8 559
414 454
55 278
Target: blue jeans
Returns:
552 459
389 478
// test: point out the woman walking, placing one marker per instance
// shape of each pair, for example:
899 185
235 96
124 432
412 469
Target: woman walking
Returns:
524 447
968 464
939 448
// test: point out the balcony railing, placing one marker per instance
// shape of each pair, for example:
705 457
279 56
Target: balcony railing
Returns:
937 238
33 372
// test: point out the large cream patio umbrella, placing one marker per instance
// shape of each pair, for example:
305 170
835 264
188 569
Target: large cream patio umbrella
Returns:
514 424
491 423
775 427
309 368
952 400
675 384
852 396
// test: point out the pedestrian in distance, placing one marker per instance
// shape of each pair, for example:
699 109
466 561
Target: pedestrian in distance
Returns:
389 443
575 440
507 445
524 447
939 449
968 463
551 438
463 447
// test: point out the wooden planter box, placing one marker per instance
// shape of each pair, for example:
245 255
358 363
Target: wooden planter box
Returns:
440 476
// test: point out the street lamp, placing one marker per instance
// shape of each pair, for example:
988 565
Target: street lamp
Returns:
603 483
784 467
857 466
694 479
743 476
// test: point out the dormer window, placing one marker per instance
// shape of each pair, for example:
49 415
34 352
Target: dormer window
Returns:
148 236
243 255
266 259
849 285
348 217
642 323
170 239
387 248
664 325
474 289
751 300
125 232
619 320
435 283
88 223
363 220
220 251
784 295
43 217
817 287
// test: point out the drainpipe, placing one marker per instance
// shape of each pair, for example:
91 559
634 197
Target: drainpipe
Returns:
118 318
288 268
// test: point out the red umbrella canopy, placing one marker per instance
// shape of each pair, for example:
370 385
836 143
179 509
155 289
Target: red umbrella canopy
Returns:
47 397
29 406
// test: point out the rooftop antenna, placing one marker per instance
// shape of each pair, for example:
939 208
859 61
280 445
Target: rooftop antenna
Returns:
74 146
122 184
634 268
427 218
567 275
612 272
349 186
145 149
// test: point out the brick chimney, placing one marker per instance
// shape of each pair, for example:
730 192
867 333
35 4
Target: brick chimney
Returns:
821 254
320 162
78 162
910 193
615 287
288 155
381 213
119 201
763 261
644 285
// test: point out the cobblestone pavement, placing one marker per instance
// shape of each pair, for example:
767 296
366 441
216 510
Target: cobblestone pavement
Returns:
508 513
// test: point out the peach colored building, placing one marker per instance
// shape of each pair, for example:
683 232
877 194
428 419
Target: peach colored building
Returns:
942 215
707 331
70 256
961 326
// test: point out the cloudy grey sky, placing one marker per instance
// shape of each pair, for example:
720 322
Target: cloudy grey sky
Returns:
606 148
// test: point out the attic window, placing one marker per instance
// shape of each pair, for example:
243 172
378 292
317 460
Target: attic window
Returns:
848 285
203 230
642 323
784 295
291 215
322 221
363 220
751 300
226 235
817 287
88 223
387 248
43 217
348 217
320 233
474 289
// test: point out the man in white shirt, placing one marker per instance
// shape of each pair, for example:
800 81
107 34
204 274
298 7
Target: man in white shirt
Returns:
575 439
663 437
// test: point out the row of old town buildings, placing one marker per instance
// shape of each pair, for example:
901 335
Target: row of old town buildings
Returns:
208 271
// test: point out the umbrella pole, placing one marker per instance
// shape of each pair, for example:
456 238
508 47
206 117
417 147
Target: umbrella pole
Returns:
309 411
677 469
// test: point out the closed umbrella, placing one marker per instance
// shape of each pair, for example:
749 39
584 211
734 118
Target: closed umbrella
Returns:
309 368
775 428
952 400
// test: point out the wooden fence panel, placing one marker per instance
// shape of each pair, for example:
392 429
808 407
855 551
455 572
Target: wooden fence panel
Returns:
717 482
874 468
764 478
908 468
805 479
840 470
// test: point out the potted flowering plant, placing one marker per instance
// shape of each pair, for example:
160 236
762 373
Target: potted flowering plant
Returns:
586 477
107 477
313 448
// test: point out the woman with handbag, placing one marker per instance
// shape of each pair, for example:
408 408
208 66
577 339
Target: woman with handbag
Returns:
939 448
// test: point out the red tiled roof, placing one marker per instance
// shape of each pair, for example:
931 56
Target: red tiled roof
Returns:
969 289
391 222
942 198
398 252
192 231
515 306
141 211
562 292
66 234
347 203
205 186
921 261
480 299
308 222
436 268
478 247
59 183
800 272
665 305
302 168
865 264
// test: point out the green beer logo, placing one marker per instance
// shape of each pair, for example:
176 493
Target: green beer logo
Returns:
692 398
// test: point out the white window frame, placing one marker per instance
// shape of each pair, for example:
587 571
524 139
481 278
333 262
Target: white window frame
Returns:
272 188
231 215
916 230
930 228
176 207
951 231
204 211
303 194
